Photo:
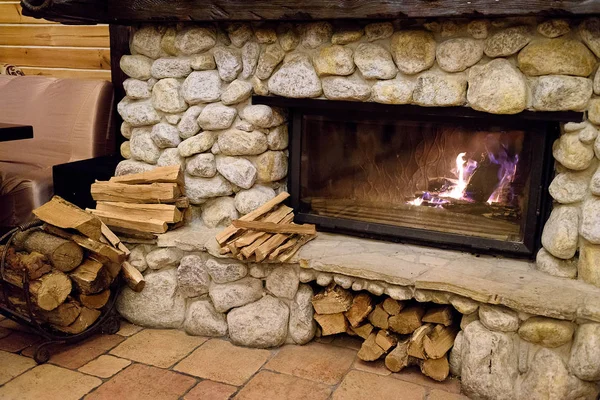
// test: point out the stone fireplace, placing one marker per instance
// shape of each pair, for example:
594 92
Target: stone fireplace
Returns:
479 136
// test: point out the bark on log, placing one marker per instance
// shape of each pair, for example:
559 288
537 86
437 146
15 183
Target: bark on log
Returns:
48 292
398 358
91 277
36 264
63 254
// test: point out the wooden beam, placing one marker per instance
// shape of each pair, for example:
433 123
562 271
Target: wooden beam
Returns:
134 11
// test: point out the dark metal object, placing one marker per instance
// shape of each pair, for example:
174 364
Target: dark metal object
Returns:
540 127
107 323
10 132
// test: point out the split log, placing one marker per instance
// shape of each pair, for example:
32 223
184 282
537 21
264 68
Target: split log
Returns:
91 277
271 227
63 315
169 174
249 250
64 255
282 214
363 330
48 292
136 223
439 315
398 358
386 340
334 299
36 264
439 341
407 320
114 240
392 307
415 344
332 323
84 320
302 240
362 305
291 242
120 192
61 213
95 301
133 277
161 212
437 369
370 350
379 317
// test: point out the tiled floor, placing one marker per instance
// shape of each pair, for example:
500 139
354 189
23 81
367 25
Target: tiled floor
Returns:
159 364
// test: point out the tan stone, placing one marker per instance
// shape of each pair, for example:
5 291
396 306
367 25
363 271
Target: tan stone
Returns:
594 111
440 89
168 347
571 153
209 390
561 93
379 30
589 30
554 28
269 385
547 332
105 366
393 91
556 56
314 361
413 51
507 41
13 365
560 233
359 385
589 263
478 28
456 55
347 34
334 60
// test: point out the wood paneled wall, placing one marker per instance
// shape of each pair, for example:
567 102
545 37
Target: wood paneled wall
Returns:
41 47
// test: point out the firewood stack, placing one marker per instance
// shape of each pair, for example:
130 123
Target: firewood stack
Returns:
71 262
405 333
266 233
145 203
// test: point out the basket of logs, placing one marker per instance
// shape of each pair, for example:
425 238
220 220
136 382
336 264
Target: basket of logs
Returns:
60 275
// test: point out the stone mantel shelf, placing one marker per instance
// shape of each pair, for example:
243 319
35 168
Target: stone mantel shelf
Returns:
512 283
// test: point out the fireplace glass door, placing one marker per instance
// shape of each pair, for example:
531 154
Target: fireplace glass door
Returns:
451 181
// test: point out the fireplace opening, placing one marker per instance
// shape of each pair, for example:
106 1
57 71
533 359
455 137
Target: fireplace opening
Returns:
449 177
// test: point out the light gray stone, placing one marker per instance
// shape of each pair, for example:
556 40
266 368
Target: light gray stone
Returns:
251 199
456 55
261 324
173 119
250 53
216 116
404 46
235 294
374 61
489 364
455 357
478 28
197 144
394 91
201 319
200 189
236 92
195 40
171 67
571 153
192 278
283 282
165 135
589 260
595 183
302 326
225 271
202 165
343 280
166 257
136 66
170 157
574 126
547 332
559 237
468 319
316 33
136 89
278 139
590 220
556 56
498 318
306 275
341 88
597 83
585 352
347 33
239 33
594 111
235 142
270 57
166 96
378 31
589 30
271 166
549 264
262 116
188 126
440 89
569 187
143 148
561 93
507 42
138 112
497 87
554 28
229 63
219 212
202 62
159 305
464 305
288 36
244 125
377 289
127 167
588 134
236 170
260 270
146 41
137 257
202 87
325 279
333 60
296 79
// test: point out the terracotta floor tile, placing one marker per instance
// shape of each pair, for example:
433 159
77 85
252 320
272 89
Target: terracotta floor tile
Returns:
375 367
76 355
143 382
13 326
358 385
209 390
4 332
351 342
414 375
436 394
17 341
158 347
221 361
325 339
105 366
314 361
12 365
128 329
271 385
49 382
